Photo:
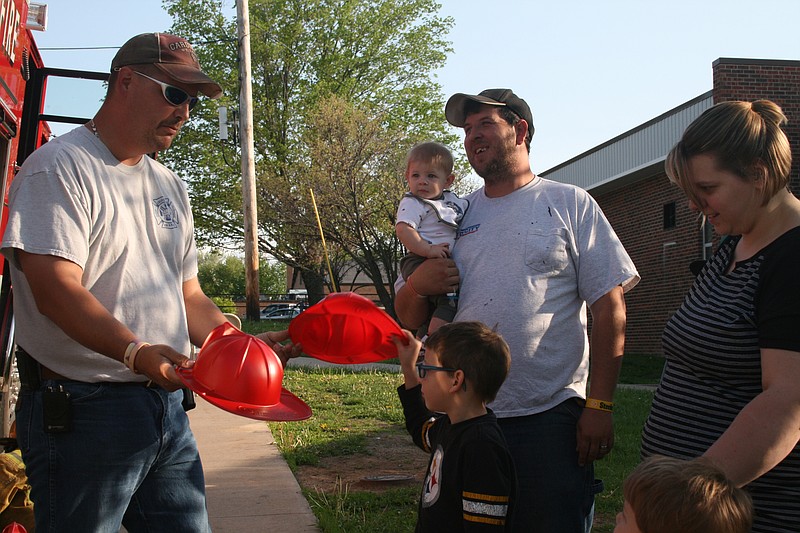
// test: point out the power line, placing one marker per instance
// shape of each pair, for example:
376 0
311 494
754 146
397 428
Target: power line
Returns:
77 48
60 49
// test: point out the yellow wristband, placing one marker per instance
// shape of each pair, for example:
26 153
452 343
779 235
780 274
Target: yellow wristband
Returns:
600 405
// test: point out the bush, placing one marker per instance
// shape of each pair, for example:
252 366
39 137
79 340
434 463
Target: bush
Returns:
225 304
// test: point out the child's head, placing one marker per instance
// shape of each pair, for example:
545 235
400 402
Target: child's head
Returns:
471 347
664 495
429 169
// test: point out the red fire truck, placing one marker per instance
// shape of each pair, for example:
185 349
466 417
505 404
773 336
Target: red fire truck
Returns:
23 128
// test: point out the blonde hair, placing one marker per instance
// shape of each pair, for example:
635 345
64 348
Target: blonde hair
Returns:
669 495
741 136
434 153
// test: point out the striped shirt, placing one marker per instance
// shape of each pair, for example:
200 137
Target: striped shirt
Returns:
712 345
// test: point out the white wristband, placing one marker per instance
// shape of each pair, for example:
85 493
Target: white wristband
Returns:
130 355
128 350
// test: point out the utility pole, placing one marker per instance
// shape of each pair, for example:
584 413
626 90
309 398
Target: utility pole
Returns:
248 161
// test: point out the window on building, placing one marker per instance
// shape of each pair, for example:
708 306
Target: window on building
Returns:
669 215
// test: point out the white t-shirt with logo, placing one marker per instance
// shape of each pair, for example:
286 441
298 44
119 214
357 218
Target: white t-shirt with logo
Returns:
129 228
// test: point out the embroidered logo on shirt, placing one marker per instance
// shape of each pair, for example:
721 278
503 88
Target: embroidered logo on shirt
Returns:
467 230
166 213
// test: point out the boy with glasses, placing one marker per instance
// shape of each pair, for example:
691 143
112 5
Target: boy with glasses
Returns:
470 483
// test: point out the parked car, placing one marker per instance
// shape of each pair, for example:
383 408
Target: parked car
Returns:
272 308
287 313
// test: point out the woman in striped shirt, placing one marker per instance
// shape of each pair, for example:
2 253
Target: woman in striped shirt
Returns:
730 390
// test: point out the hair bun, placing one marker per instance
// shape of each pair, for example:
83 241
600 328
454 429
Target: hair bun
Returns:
770 112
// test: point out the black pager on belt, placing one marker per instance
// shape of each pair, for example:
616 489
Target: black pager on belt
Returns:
56 410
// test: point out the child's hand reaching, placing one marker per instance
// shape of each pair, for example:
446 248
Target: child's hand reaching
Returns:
408 348
439 250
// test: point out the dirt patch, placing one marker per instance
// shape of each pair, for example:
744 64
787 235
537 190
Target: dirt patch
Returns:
393 459
388 455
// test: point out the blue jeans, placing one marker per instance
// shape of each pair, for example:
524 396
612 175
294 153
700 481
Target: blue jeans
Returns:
555 494
129 459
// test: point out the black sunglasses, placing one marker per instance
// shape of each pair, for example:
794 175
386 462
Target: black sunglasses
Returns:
423 369
173 95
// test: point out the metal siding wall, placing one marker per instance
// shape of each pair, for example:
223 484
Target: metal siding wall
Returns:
630 151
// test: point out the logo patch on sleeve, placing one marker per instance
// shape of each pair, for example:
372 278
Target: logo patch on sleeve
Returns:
431 489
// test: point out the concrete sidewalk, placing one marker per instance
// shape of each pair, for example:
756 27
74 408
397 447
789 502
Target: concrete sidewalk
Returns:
310 362
249 486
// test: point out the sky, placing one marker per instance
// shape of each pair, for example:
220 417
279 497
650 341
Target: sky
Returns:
589 69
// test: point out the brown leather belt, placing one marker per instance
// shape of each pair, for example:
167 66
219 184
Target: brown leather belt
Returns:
46 373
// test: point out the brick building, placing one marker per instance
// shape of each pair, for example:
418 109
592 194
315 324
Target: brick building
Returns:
650 215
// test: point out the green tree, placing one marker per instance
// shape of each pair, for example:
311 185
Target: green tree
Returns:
356 168
271 277
223 276
377 57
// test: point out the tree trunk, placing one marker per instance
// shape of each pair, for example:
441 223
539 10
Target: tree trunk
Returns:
315 285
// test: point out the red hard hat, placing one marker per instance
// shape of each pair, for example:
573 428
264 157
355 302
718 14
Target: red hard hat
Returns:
14 527
239 373
344 328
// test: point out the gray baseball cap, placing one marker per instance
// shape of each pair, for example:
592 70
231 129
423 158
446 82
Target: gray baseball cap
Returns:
455 108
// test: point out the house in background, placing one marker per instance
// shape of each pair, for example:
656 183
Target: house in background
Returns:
650 214
352 279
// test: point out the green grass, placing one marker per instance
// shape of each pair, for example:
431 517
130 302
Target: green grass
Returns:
351 407
392 511
631 407
260 326
641 368
348 408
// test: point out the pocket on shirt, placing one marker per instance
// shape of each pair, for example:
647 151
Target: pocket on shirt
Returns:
546 250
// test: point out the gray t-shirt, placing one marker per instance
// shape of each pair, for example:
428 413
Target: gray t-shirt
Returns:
529 262
129 228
